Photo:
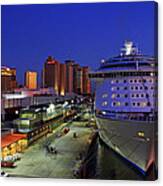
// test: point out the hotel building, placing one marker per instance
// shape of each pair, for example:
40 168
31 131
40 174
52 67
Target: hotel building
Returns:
31 80
8 79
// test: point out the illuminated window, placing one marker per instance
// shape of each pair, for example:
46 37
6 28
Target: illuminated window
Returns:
143 104
112 81
116 103
105 95
104 103
113 88
141 134
151 74
113 95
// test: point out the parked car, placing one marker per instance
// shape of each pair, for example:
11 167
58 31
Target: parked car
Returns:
8 164
66 130
16 157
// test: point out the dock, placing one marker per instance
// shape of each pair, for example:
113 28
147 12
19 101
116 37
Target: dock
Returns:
67 159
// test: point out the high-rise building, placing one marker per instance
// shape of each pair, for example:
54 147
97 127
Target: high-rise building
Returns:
8 79
69 76
62 83
86 81
75 69
51 74
31 80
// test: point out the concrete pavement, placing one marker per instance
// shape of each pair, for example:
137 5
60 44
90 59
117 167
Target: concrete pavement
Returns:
37 162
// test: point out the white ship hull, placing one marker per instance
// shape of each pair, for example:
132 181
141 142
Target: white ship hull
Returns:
127 139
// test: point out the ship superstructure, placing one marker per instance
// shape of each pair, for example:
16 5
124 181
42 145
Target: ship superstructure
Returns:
126 104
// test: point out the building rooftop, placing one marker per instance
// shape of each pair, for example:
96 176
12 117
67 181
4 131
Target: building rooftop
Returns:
11 138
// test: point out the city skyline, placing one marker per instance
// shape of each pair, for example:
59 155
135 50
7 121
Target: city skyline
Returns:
27 40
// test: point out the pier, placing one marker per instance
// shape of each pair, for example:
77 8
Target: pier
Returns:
68 151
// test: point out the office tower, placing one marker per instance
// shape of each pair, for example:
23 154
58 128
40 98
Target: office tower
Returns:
86 81
51 74
69 76
62 83
31 80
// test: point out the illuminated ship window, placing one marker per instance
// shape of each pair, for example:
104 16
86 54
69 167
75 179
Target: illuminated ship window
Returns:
113 88
136 88
105 95
116 103
113 95
137 95
104 103
143 104
141 88
112 81
141 134
151 74
135 81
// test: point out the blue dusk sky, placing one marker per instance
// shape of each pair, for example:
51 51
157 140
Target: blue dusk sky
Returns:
83 32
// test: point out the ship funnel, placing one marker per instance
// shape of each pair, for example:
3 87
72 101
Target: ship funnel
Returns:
129 49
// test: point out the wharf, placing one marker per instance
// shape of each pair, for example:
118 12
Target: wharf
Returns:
37 162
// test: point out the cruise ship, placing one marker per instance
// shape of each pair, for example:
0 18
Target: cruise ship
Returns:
126 105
